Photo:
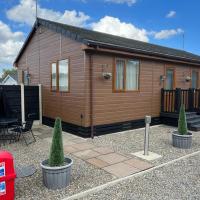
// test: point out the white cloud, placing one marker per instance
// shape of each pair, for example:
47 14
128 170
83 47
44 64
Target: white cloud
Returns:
129 2
6 33
165 34
24 12
114 26
171 14
10 44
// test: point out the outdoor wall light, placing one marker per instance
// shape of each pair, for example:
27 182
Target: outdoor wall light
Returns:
162 78
187 78
106 75
28 77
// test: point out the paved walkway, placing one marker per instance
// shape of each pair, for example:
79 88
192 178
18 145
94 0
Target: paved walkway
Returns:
117 164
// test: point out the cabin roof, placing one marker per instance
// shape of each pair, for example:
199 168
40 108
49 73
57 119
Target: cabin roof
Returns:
13 75
94 38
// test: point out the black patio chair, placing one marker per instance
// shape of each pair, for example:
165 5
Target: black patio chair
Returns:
26 128
15 132
7 135
16 114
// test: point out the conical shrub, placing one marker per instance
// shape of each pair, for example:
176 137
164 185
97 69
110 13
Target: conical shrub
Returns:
182 122
56 157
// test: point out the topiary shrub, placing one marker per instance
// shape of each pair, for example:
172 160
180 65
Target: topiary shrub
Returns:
56 157
182 122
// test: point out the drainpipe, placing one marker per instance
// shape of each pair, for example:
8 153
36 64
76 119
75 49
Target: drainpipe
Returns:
91 95
22 104
38 46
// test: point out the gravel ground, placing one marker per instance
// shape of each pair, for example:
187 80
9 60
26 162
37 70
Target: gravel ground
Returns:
84 175
179 181
160 142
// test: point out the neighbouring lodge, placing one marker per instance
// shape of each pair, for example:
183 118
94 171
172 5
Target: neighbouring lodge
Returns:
100 83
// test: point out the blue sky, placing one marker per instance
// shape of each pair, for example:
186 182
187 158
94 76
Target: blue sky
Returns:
161 22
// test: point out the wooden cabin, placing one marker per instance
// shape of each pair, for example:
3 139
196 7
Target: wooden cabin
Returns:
100 83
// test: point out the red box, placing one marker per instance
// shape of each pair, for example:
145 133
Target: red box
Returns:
7 176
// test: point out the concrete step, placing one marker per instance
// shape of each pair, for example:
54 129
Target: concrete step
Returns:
194 121
194 127
191 114
191 125
192 117
194 124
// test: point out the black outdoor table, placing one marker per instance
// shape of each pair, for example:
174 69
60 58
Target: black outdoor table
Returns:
5 124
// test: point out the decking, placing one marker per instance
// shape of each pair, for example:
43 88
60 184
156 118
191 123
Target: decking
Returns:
171 101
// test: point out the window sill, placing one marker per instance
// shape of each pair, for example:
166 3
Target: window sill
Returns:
59 92
126 91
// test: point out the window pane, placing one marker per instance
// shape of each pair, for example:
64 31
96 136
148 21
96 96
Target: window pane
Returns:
132 75
119 82
25 77
63 75
53 76
194 79
170 79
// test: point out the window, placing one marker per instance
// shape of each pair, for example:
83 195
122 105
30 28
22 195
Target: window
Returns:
63 75
132 75
60 76
170 79
120 65
126 75
195 76
53 77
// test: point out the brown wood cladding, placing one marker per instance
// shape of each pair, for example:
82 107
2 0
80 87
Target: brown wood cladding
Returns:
109 106
68 106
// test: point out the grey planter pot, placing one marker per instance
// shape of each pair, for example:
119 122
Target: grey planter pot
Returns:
56 177
182 141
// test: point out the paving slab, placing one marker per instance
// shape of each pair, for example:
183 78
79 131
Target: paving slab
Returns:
68 142
78 140
86 154
138 164
103 150
83 146
97 162
113 158
69 149
121 169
